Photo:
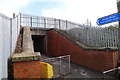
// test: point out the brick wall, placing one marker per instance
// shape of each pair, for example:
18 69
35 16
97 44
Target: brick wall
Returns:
98 60
27 69
26 62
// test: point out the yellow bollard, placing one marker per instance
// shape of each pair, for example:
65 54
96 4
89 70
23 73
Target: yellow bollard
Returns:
46 70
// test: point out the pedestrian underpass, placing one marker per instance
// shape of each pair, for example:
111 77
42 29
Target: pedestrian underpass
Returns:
51 53
55 38
39 43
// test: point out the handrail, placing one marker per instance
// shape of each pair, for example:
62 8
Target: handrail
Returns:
91 36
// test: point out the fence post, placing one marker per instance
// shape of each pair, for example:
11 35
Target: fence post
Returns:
17 25
37 21
66 25
118 7
60 64
20 19
45 23
59 24
31 21
10 36
69 63
55 23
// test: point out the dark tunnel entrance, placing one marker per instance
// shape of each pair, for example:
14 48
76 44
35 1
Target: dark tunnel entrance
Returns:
39 43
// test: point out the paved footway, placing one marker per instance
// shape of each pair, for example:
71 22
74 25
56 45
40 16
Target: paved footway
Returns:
78 71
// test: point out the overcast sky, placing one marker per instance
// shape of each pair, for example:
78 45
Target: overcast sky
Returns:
73 10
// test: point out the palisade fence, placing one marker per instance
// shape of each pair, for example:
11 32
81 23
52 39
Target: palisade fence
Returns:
91 36
9 30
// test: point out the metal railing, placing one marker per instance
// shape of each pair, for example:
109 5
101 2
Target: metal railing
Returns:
61 65
91 36
109 74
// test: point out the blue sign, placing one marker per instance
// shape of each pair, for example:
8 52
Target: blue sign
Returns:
108 19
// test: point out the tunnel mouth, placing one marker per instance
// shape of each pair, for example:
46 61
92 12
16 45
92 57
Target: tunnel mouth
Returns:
39 43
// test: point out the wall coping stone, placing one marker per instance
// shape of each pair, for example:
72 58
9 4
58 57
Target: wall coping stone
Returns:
26 57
